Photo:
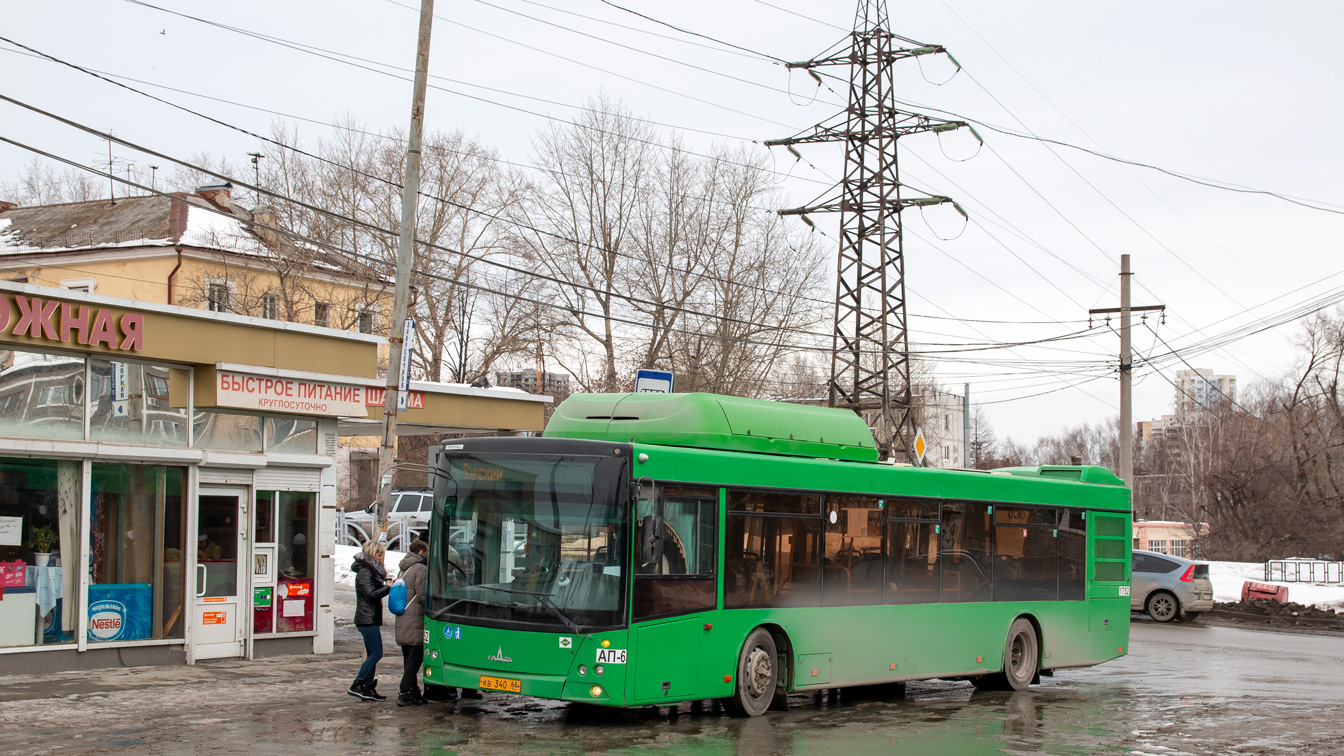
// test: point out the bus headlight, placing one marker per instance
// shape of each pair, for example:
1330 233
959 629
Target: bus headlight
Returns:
598 669
434 654
595 691
582 670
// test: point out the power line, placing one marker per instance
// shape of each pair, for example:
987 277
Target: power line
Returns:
688 31
296 46
532 274
491 215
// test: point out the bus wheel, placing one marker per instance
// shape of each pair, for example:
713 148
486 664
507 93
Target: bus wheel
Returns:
1021 657
757 675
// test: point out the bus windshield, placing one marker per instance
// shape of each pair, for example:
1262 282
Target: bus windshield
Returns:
529 540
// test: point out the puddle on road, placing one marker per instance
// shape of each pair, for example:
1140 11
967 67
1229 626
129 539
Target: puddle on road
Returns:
930 718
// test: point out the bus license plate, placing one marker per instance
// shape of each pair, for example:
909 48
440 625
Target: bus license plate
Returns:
501 683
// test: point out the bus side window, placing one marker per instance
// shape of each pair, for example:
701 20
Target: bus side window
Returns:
684 580
964 552
1072 556
912 559
852 564
772 560
1025 554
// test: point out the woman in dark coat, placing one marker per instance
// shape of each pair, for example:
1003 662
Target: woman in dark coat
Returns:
370 588
410 626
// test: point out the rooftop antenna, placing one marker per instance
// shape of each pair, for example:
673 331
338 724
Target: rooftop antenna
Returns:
111 182
256 169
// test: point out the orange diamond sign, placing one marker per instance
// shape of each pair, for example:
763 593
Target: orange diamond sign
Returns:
920 445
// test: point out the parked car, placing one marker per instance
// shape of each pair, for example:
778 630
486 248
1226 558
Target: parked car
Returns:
411 505
1168 587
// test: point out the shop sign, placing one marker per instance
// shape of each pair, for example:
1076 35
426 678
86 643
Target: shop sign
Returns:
289 395
107 618
48 319
261 597
376 396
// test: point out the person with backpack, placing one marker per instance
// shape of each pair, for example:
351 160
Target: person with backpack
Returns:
408 595
370 588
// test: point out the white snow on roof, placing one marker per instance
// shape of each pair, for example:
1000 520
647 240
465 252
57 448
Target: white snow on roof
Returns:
206 228
4 223
10 245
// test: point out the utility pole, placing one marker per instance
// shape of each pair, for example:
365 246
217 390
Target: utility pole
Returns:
870 345
1126 370
410 193
966 426
541 367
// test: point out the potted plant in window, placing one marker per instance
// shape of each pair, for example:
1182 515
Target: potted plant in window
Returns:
41 539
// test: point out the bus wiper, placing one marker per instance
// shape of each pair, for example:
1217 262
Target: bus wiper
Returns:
544 600
441 613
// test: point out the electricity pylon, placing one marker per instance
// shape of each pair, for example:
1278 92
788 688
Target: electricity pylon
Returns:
870 348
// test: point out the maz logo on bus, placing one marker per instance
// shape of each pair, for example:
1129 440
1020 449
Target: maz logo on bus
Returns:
611 656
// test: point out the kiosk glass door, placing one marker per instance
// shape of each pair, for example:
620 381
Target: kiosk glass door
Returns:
220 514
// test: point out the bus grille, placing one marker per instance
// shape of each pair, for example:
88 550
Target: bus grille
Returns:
1109 526
1109 571
1110 548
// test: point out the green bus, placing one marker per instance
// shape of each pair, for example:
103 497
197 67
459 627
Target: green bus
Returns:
650 549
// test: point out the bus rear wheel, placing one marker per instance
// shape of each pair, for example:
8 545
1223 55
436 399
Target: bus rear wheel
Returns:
1021 657
757 675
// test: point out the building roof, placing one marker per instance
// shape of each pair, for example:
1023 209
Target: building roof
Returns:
133 221
205 221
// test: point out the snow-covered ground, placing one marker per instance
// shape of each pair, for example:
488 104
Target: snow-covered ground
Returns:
1228 577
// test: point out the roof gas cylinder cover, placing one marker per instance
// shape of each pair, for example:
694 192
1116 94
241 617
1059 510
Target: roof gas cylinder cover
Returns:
714 421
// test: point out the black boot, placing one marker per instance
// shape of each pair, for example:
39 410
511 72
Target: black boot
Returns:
357 690
408 699
371 691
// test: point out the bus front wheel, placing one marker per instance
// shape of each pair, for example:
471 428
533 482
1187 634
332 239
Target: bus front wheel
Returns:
757 675
1021 657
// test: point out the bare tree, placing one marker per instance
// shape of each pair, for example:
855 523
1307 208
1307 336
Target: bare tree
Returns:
577 224
41 183
983 443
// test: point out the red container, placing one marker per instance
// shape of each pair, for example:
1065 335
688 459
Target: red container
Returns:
1277 593
13 574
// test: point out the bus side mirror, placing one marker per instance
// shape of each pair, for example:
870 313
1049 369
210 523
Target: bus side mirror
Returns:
651 532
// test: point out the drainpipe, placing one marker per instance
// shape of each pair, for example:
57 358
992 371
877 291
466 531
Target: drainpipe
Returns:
174 273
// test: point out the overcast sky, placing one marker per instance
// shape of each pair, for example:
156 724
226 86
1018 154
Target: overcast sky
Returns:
1242 93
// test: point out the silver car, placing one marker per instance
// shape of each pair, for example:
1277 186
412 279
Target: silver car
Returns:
1167 587
411 507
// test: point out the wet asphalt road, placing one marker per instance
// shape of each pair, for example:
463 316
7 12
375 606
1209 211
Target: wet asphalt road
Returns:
1184 689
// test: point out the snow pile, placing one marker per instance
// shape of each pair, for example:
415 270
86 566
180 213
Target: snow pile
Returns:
345 556
1228 577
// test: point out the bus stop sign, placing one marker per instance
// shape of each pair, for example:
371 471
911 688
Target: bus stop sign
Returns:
654 382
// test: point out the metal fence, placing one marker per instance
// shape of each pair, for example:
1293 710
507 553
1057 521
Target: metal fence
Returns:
1304 571
356 531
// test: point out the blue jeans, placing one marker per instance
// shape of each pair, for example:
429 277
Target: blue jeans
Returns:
373 651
